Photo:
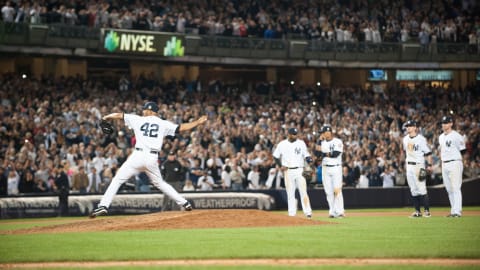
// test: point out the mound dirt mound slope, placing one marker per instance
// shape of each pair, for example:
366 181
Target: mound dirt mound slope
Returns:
228 218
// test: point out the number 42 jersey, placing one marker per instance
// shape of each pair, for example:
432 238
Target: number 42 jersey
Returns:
149 130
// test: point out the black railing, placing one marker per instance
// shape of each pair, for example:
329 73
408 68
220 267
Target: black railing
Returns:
80 32
65 36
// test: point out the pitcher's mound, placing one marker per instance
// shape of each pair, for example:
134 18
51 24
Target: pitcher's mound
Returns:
179 220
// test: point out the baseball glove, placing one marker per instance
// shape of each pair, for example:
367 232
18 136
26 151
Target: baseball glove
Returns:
422 175
107 127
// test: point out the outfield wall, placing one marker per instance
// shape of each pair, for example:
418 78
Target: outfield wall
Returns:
375 197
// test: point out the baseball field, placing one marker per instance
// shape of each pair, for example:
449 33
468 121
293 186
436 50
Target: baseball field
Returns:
245 239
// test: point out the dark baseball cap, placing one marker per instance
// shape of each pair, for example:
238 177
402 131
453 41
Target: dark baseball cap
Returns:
292 131
326 128
447 119
411 123
152 106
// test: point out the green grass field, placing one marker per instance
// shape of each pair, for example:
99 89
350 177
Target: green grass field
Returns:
352 237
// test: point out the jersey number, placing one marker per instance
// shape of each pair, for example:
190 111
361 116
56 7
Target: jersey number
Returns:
150 130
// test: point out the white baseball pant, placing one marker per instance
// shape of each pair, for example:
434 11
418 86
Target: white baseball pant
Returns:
332 183
137 162
295 180
452 179
417 187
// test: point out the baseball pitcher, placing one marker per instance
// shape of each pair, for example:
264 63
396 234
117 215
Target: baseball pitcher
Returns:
149 132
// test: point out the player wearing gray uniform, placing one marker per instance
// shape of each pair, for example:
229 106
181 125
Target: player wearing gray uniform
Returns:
149 132
452 146
416 150
290 155
330 149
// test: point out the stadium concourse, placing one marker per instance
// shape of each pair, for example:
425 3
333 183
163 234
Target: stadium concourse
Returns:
47 122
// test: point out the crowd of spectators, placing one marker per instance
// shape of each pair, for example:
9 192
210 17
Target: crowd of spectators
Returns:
47 122
328 20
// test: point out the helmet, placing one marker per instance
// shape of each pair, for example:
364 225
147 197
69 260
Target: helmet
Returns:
447 119
292 131
326 128
152 106
411 123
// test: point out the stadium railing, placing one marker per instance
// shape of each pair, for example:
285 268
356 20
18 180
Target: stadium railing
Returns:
70 37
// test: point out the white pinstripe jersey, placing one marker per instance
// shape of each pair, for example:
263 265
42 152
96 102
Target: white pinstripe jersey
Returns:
415 148
334 144
149 130
291 154
450 146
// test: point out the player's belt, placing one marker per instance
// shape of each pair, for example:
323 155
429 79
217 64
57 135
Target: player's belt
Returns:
446 161
412 163
151 151
293 168
328 165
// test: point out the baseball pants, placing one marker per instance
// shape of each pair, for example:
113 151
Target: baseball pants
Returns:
137 162
417 188
295 180
452 179
332 184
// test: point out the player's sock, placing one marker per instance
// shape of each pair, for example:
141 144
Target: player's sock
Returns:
426 202
416 203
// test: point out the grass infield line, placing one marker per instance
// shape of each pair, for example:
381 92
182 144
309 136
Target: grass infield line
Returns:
255 262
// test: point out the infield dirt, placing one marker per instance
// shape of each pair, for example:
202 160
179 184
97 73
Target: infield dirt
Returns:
227 218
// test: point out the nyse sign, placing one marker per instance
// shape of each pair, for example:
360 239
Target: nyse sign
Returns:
115 41
137 43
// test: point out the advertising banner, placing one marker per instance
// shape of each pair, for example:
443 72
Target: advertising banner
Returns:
424 75
82 205
120 41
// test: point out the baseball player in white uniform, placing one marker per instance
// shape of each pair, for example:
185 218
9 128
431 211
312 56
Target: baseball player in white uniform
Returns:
416 150
452 146
330 149
149 132
290 155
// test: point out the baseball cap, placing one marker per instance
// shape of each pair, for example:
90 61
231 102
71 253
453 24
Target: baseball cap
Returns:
447 119
292 131
411 123
150 106
171 153
326 128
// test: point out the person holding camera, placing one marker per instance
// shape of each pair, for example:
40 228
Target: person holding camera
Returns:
205 182
237 176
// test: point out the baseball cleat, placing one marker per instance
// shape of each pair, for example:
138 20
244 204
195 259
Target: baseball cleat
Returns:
426 213
341 216
187 206
309 216
416 215
100 211
454 215
331 216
